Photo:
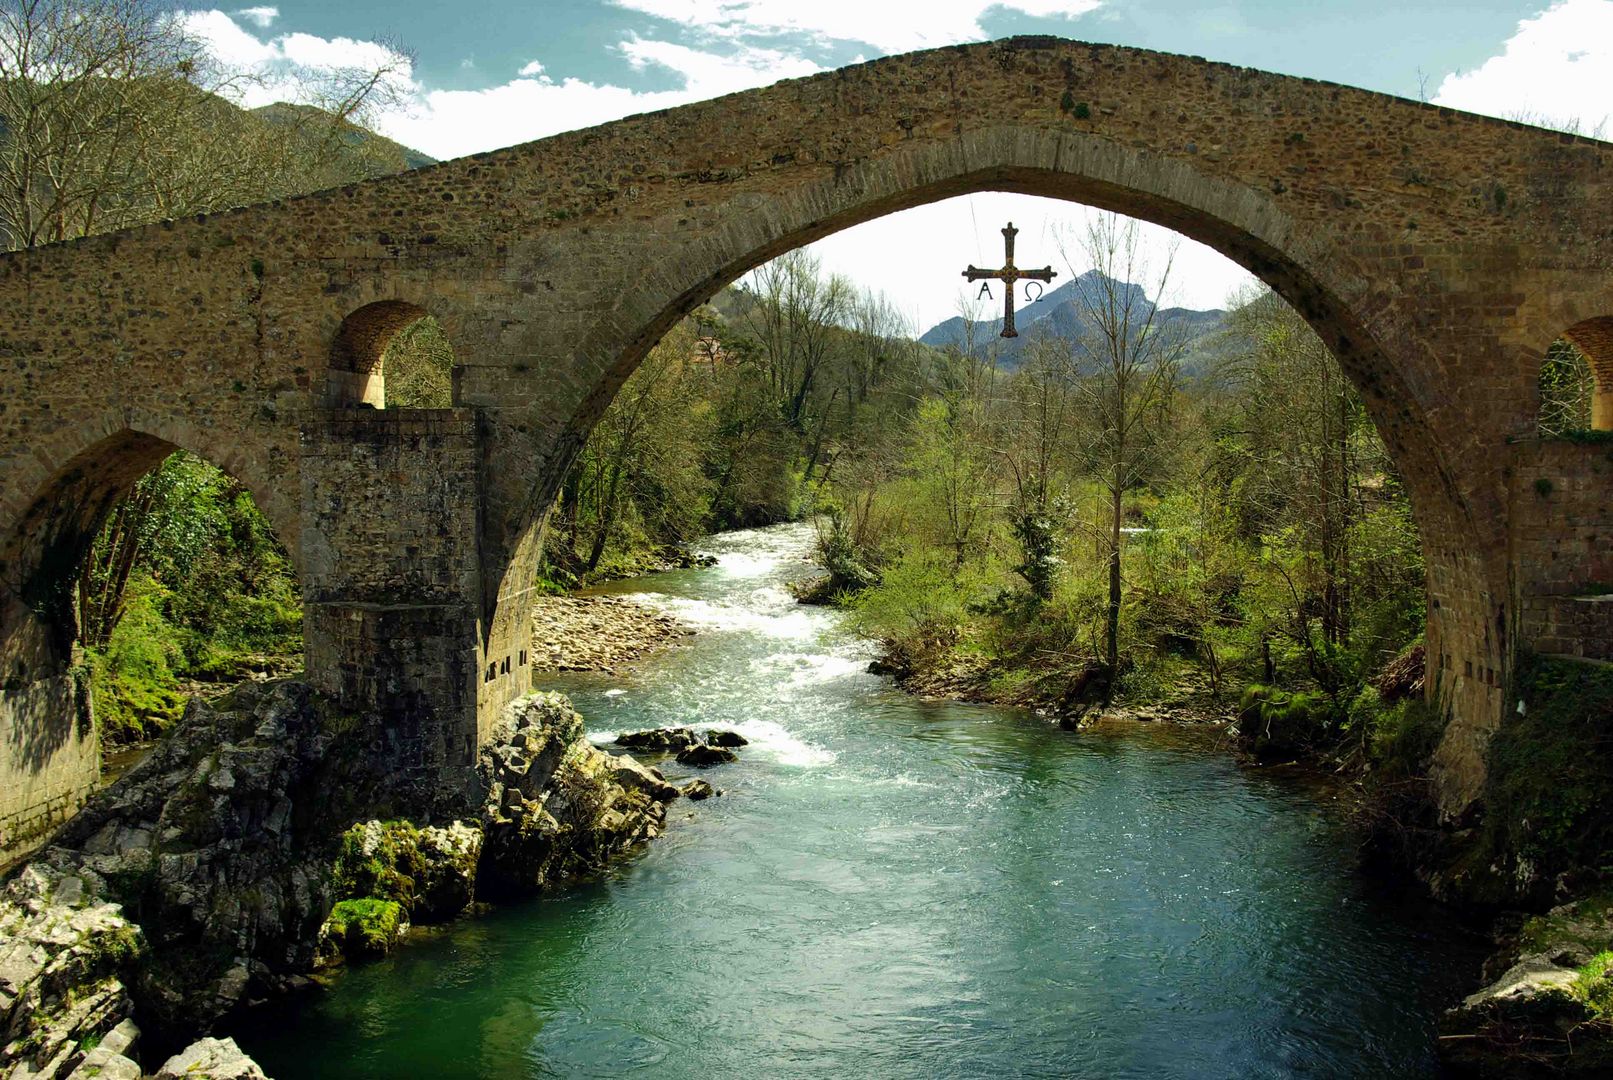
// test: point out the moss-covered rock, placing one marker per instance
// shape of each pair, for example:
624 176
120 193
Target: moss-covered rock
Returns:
1553 1005
430 870
1571 934
1276 724
363 928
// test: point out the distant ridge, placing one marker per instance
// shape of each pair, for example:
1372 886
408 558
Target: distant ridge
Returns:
1059 312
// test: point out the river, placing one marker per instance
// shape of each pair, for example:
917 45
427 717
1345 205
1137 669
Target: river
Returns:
897 888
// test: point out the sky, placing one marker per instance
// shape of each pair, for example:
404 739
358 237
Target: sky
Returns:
483 74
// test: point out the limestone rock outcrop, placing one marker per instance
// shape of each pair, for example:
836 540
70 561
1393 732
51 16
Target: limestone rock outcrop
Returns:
261 839
67 957
556 805
211 1059
221 839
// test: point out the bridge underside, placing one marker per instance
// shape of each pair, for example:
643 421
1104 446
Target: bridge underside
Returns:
1438 254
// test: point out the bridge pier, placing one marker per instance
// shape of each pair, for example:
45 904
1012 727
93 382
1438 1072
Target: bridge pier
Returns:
392 580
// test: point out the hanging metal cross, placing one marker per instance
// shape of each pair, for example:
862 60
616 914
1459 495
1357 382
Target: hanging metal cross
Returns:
1008 275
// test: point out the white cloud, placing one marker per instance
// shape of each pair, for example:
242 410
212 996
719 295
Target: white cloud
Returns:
708 74
453 123
888 27
277 68
1556 69
260 17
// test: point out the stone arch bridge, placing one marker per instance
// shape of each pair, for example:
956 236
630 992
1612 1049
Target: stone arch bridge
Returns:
1438 253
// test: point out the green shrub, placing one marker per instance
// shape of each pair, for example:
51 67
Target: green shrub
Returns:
132 681
1398 740
1549 790
1594 984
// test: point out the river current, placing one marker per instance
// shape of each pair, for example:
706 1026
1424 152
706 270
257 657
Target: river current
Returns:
897 888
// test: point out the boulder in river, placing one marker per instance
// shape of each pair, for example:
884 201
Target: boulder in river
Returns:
720 737
666 738
544 825
698 789
629 773
211 1059
703 756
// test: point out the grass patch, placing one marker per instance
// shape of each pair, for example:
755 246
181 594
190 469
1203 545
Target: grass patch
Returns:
1594 985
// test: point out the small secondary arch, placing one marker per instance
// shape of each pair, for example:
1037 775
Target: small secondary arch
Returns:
1593 338
390 353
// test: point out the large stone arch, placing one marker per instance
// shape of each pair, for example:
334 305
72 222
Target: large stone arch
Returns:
1354 313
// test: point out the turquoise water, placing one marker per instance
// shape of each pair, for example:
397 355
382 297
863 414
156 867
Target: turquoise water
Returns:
894 888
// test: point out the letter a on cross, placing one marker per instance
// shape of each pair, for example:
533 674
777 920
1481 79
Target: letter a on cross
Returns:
1008 275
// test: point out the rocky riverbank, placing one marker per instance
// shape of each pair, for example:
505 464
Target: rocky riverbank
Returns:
1547 1007
1067 691
266 838
598 633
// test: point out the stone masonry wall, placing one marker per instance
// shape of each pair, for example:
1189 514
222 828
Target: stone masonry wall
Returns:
1562 546
53 761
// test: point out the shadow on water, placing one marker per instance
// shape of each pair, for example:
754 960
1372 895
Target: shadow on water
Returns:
895 888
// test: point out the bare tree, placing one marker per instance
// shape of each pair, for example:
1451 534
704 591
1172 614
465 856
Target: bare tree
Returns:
1126 362
794 315
113 114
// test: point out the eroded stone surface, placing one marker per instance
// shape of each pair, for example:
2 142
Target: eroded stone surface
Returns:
211 1059
66 958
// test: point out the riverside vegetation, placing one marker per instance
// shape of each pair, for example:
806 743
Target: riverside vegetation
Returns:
1134 507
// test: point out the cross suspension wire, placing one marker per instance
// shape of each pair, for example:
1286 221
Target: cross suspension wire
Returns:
980 252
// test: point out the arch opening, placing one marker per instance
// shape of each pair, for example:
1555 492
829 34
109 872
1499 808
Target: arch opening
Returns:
390 354
140 575
1360 314
1576 380
1372 497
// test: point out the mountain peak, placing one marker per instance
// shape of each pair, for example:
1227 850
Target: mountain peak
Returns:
1062 311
